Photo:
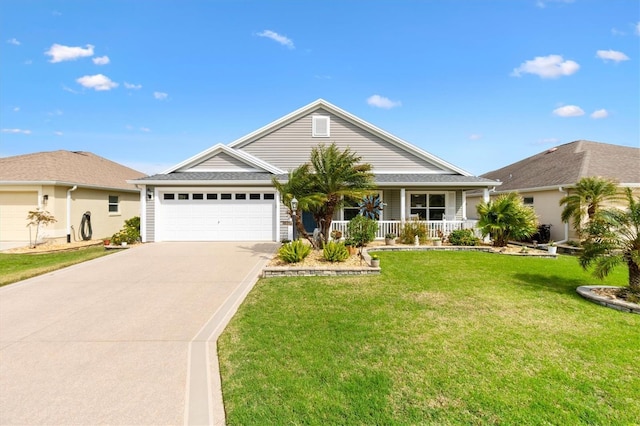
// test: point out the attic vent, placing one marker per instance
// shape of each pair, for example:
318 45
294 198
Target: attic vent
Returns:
321 126
552 150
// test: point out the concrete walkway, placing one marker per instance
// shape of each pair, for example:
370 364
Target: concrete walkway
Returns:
124 339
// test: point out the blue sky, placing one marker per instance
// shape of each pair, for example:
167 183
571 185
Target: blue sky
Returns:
478 83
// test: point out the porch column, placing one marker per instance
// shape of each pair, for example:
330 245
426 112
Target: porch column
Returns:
485 195
403 205
464 205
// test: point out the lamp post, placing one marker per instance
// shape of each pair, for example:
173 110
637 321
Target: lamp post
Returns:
294 210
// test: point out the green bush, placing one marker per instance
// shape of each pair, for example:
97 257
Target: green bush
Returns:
362 230
294 251
335 252
129 234
463 237
411 229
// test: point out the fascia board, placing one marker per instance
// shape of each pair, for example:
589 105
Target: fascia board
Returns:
71 184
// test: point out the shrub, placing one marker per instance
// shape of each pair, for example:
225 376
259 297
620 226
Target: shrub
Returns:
362 230
129 234
294 251
412 229
335 252
463 237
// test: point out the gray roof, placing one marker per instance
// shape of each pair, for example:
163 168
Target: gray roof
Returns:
265 177
567 164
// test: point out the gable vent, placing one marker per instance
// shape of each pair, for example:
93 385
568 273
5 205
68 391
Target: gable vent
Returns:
321 126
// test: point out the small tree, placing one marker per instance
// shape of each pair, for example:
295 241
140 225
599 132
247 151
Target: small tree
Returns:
589 195
362 230
39 218
506 218
613 238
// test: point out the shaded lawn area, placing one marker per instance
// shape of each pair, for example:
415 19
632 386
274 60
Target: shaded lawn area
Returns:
438 337
17 267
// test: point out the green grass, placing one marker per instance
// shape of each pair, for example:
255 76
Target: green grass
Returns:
437 338
17 267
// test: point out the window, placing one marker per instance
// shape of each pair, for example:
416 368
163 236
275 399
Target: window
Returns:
197 196
113 204
320 127
350 210
528 201
254 196
428 206
183 196
241 196
225 196
269 196
169 196
212 196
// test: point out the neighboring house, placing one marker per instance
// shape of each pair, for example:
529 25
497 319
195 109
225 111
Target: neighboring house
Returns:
67 184
545 178
226 193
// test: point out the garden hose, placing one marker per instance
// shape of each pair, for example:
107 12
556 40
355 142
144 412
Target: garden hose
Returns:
85 226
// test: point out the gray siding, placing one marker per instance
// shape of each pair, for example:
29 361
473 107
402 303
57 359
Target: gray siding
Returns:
392 209
284 220
221 162
291 145
459 212
150 215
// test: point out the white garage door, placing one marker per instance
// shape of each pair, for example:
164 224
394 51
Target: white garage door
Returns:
215 216
14 207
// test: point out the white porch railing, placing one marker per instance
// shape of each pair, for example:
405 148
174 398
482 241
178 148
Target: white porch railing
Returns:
395 227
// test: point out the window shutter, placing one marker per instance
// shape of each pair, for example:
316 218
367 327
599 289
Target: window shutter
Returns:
450 213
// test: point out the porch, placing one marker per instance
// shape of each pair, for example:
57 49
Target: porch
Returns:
434 227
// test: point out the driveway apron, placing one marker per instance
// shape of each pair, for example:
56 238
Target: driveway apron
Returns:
124 339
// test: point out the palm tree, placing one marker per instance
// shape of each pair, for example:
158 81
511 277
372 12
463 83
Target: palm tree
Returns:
613 238
299 185
506 218
337 174
589 196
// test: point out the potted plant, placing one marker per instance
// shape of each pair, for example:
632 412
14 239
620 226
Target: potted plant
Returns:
552 248
390 239
436 241
350 244
107 242
375 261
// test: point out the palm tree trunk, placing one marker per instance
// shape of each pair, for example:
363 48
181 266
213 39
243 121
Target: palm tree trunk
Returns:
634 276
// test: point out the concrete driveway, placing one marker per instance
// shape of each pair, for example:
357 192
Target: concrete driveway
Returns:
124 339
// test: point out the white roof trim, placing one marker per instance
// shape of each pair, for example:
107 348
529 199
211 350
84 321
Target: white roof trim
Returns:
321 103
70 184
217 148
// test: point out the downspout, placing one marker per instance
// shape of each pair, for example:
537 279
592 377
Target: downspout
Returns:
566 224
69 212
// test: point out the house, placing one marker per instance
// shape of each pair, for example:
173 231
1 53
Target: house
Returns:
543 179
67 184
226 192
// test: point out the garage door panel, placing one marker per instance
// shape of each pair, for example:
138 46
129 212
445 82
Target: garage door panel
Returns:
216 220
14 208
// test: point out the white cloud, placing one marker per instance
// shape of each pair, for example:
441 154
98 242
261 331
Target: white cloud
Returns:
611 55
69 89
161 96
552 66
382 102
283 40
617 32
145 129
638 28
132 86
601 113
475 136
55 112
98 82
58 133
14 41
101 60
17 131
60 53
16 109
543 3
28 62
569 111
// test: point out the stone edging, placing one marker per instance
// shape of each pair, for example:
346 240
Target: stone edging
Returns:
586 291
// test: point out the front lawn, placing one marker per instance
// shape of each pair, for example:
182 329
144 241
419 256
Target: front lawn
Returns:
437 338
17 267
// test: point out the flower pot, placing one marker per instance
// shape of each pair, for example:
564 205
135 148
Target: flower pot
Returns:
107 242
390 241
552 249
375 263
437 242
352 250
